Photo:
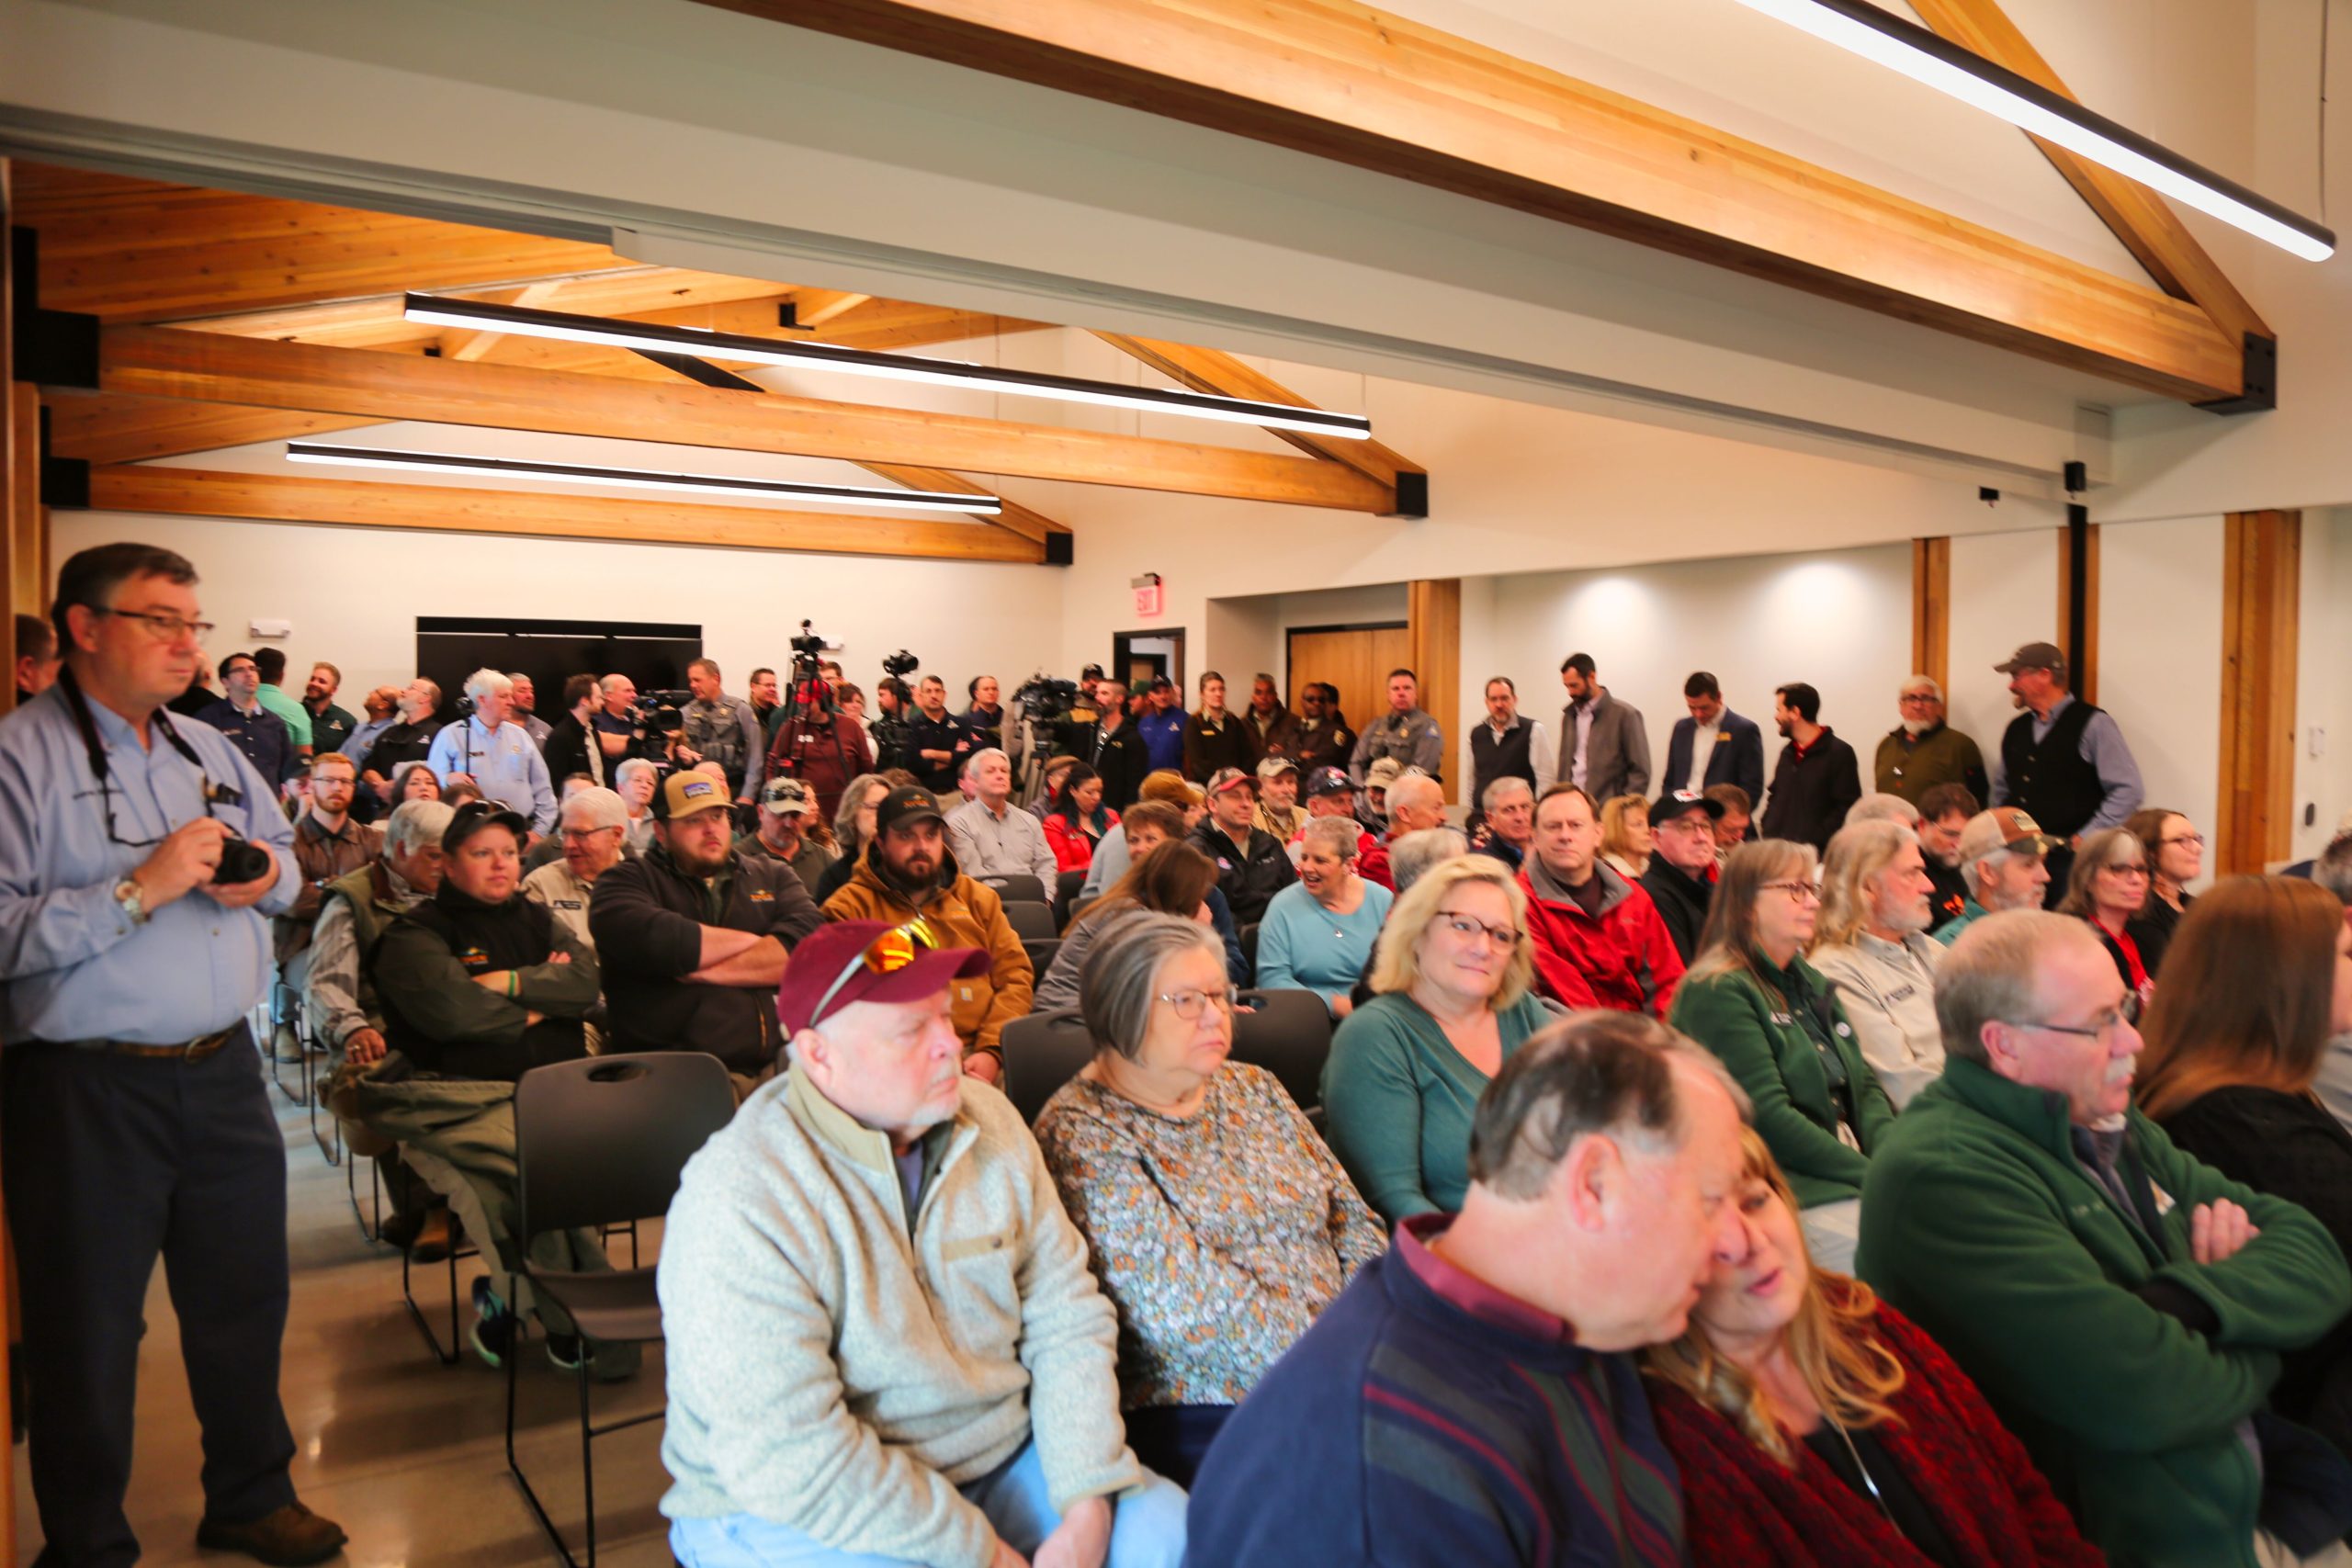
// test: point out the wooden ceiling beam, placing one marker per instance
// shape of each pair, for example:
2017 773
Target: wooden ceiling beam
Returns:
1343 81
211 367
200 492
2137 216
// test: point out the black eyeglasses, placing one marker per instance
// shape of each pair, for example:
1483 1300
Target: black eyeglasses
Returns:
2126 1012
162 626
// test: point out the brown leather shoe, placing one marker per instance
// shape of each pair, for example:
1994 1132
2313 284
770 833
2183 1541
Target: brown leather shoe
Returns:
436 1237
288 1537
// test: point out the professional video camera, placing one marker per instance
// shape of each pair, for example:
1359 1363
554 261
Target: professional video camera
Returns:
659 711
901 664
1042 699
807 651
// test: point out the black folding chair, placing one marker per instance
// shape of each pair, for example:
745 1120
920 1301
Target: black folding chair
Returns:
1041 951
448 1355
1012 885
1065 888
599 1142
1041 1053
1289 1034
287 1003
1031 921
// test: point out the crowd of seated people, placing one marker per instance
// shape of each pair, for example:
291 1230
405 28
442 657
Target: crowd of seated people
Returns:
1692 1180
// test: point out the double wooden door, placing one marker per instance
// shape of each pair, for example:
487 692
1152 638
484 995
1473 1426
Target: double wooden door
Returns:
1356 659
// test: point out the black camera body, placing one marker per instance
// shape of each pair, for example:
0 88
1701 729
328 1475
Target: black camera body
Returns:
241 861
901 664
1043 699
659 711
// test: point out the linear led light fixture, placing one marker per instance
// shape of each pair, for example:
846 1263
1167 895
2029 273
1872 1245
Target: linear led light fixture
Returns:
644 337
1936 62
639 479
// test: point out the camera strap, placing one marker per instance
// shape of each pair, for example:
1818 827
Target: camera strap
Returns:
79 705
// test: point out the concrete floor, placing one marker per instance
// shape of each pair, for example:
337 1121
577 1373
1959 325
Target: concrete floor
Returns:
406 1454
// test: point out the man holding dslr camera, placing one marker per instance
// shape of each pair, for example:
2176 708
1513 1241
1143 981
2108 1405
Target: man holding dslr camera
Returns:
139 863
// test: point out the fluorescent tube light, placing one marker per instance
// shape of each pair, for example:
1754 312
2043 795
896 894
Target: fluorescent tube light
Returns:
640 479
734 347
1936 62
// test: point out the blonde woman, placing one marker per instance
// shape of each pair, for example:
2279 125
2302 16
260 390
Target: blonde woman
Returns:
1814 1425
1871 942
1454 998
1626 840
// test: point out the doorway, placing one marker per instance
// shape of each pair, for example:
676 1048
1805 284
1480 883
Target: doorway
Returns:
1356 659
1140 658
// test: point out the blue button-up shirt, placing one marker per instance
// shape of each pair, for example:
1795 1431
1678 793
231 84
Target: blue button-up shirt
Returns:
72 965
260 734
506 765
2121 791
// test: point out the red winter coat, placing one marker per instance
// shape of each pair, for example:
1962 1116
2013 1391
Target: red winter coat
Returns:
1739 1506
1625 960
801 749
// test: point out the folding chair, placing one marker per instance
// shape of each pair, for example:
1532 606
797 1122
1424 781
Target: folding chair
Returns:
287 1003
1031 921
601 1142
1041 952
1041 1053
1289 1034
1012 885
1065 888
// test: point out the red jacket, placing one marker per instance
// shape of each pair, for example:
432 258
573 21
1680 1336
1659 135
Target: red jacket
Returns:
1073 847
1740 1505
801 749
1625 960
1371 860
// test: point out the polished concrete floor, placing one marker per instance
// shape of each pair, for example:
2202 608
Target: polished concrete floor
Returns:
406 1454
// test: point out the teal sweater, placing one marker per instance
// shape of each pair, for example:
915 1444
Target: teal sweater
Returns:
1769 1045
1980 1223
1398 1099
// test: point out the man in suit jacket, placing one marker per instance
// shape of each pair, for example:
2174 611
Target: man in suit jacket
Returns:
1715 745
1604 746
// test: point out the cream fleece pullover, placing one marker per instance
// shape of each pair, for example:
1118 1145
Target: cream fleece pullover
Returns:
833 1369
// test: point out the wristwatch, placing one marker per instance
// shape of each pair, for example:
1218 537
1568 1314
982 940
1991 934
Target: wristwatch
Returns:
133 902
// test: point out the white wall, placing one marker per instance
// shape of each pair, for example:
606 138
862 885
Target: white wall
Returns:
2004 594
354 595
1839 619
2159 657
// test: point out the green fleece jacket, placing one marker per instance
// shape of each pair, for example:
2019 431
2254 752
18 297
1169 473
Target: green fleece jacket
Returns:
1766 1042
1980 1223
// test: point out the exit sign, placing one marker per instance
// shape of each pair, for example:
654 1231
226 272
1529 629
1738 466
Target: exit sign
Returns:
1148 594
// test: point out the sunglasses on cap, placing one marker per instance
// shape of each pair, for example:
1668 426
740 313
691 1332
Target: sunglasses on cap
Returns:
886 954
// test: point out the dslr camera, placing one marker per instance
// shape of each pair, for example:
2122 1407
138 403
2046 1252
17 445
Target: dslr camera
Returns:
241 861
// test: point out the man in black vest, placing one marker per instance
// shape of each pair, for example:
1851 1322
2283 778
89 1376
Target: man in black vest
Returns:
2063 761
1508 747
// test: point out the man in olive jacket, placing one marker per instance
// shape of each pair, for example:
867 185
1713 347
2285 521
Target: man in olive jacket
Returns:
2122 1305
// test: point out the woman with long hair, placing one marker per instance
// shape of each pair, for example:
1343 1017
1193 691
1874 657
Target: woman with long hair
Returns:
2108 887
1170 878
1776 1021
2259 981
414 781
1076 818
853 831
1626 840
1873 942
2176 852
1814 1425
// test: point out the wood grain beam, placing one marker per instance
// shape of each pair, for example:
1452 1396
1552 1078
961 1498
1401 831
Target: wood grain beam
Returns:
1931 609
1363 87
2261 620
1433 618
2137 216
201 493
208 368
1214 370
1024 521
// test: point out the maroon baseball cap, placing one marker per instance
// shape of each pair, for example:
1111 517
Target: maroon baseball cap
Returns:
867 960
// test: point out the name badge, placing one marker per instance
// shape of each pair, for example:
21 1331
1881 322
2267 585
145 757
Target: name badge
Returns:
1723 733
761 896
1902 994
2164 1199
1783 1019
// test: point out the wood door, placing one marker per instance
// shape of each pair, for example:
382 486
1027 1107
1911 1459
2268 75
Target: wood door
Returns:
1356 659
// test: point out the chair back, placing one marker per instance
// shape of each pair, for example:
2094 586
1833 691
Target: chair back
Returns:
1041 1053
1014 884
1031 921
602 1140
1065 888
1041 952
1289 1034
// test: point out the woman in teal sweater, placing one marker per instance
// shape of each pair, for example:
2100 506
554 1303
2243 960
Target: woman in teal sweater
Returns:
1455 998
1777 1024
1320 931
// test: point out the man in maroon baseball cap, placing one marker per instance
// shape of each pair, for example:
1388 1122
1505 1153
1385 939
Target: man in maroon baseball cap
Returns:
884 1341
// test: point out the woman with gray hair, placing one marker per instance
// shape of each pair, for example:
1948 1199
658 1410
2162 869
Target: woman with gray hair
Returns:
635 781
1219 1225
1318 932
1871 942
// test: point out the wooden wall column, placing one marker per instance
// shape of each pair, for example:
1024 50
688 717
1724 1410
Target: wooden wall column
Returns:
2082 662
2261 611
1433 617
1931 609
9 570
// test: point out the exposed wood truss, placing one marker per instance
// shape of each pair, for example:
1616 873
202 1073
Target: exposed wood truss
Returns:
1369 88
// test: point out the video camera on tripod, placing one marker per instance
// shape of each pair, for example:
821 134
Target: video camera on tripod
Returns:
659 711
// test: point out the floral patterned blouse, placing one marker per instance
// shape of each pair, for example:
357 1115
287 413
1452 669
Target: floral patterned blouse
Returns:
1218 1236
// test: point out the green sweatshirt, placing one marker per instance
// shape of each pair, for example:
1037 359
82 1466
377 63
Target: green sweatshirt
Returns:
1766 1042
1979 1222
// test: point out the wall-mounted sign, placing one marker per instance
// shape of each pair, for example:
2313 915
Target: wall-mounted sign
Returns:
1148 597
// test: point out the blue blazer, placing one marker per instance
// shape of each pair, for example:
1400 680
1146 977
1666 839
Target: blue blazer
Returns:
1737 759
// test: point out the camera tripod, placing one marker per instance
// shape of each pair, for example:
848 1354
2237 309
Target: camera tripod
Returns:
809 726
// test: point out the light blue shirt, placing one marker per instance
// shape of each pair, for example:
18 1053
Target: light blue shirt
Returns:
2103 749
356 747
1303 946
72 965
506 765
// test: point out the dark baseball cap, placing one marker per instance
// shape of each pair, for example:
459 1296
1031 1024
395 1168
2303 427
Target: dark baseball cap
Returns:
1674 803
910 804
1330 781
867 960
2032 656
476 815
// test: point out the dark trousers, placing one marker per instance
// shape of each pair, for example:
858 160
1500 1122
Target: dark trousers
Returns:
109 1162
1172 1439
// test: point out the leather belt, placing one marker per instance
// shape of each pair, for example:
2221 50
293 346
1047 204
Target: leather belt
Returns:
189 1051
